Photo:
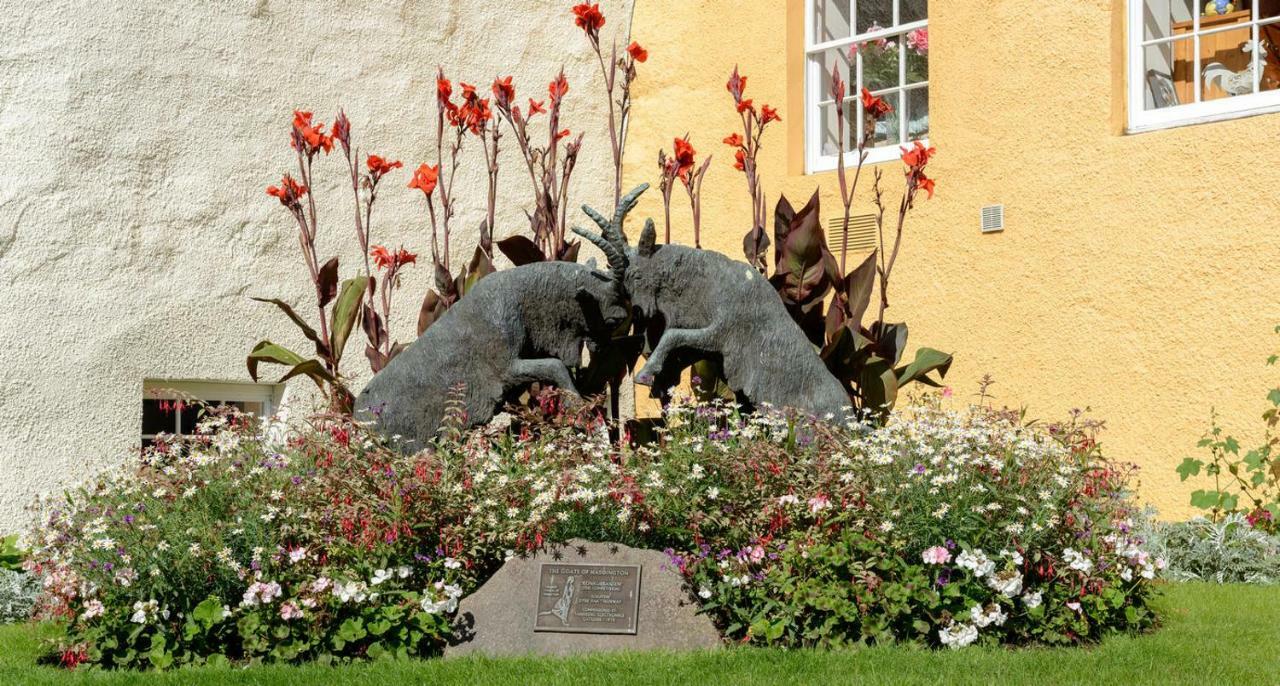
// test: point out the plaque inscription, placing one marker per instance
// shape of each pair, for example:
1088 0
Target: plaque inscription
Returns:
588 598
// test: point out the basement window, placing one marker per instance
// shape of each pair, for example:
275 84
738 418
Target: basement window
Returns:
880 45
173 407
1193 61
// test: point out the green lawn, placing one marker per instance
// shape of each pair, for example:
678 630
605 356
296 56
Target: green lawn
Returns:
1212 635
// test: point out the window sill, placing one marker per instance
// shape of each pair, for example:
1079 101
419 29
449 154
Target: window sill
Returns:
1238 107
887 153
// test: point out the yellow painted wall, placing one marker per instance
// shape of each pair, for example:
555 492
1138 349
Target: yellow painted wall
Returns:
1138 274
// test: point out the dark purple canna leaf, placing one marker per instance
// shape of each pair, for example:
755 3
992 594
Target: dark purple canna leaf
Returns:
520 250
328 281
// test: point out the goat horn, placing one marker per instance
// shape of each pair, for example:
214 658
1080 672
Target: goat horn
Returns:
617 260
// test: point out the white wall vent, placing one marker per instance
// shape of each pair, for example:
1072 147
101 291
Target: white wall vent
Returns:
992 218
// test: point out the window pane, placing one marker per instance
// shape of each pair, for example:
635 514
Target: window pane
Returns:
190 415
825 60
913 10
157 418
874 15
1164 18
1226 64
1269 36
918 113
886 130
829 126
831 20
1164 87
880 63
917 55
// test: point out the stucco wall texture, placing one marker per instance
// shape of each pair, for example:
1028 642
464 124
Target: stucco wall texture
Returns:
138 140
1137 274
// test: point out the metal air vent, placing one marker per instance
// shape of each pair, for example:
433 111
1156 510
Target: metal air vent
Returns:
992 218
862 232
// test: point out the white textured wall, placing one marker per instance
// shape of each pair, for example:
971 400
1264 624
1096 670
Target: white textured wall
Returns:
137 140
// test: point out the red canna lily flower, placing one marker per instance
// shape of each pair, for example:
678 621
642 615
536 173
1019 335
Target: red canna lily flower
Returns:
311 136
918 156
563 134
637 53
734 139
503 92
535 107
386 259
558 88
588 18
768 114
745 105
444 89
468 90
424 179
736 85
684 153
289 191
874 105
740 160
925 183
342 130
379 166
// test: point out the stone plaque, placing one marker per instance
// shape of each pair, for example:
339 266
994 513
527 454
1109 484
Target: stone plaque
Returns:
607 606
588 598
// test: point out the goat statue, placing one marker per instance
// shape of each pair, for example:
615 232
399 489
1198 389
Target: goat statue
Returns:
719 308
515 327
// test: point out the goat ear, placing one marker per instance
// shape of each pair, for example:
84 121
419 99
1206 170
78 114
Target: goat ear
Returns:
646 247
591 263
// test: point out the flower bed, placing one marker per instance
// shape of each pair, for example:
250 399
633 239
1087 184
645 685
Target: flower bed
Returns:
318 541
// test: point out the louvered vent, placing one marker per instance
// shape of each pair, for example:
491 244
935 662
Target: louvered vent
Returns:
862 232
992 218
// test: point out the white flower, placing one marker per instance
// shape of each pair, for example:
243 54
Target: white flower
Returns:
1127 574
696 471
1007 583
704 593
1077 561
992 614
1014 556
297 555
144 611
788 499
450 563
713 493
958 635
441 597
93 608
1033 600
403 571
976 562
379 576
1074 606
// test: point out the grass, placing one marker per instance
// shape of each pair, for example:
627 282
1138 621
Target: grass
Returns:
1211 635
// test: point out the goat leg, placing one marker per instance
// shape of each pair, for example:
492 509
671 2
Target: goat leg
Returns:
545 370
672 340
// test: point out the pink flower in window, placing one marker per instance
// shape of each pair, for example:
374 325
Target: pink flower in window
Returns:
918 40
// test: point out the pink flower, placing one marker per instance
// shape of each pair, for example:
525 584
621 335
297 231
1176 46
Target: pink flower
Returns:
818 503
937 555
947 392
289 611
918 40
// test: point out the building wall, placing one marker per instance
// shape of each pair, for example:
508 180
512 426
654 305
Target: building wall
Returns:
1137 274
138 140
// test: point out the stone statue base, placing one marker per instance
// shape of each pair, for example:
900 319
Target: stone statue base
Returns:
580 598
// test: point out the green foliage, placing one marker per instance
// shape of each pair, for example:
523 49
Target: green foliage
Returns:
1253 477
17 595
1225 551
10 554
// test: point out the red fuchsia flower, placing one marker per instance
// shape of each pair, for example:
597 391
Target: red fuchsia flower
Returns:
342 130
588 18
424 178
379 166
684 153
637 53
734 139
558 88
768 114
387 259
874 105
310 136
535 107
503 92
289 191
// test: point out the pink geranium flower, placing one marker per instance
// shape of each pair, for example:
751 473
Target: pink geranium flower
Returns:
937 555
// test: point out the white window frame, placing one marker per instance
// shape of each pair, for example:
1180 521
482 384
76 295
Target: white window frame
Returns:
1141 119
814 160
270 395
